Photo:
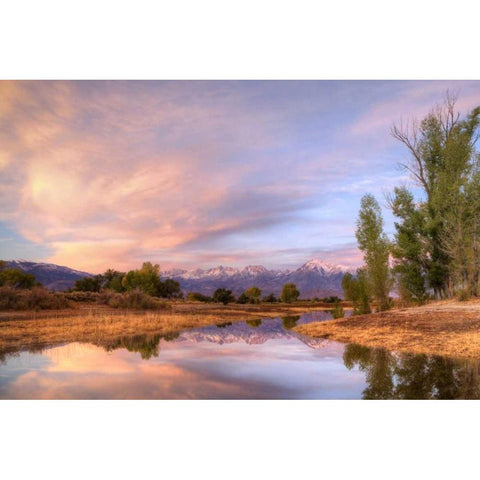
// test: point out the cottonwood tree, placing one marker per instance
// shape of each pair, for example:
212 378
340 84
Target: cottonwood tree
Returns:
357 290
409 249
289 293
375 246
444 164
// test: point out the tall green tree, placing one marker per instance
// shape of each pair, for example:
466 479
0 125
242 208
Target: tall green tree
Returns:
289 293
253 294
444 164
146 279
409 249
375 246
223 295
357 290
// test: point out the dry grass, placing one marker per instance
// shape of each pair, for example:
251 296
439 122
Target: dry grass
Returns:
97 324
447 328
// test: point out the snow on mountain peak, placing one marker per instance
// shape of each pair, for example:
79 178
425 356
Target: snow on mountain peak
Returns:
254 270
316 265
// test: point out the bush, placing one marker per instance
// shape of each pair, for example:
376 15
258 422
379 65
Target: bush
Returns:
270 298
332 299
289 293
135 299
338 311
14 277
82 296
38 298
198 297
223 295
463 295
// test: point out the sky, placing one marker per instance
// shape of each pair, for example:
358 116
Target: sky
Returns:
194 174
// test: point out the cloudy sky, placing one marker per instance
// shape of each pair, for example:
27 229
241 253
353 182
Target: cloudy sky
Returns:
101 174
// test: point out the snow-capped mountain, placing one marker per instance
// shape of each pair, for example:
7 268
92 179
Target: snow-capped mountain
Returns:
314 278
316 265
53 277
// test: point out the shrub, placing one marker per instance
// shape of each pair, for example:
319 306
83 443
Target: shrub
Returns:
198 297
270 298
38 298
289 293
14 277
82 296
463 295
222 295
338 311
253 294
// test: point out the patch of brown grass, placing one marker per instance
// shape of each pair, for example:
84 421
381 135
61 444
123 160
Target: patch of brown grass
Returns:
441 328
100 324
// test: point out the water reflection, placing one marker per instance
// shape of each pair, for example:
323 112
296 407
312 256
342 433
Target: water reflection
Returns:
412 376
290 321
251 359
147 345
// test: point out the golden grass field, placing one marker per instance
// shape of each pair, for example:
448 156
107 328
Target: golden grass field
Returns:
97 323
447 328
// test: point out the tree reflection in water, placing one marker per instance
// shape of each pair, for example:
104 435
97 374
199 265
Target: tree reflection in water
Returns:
147 345
412 376
290 321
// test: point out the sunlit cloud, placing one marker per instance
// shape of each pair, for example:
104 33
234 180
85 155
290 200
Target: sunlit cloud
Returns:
193 174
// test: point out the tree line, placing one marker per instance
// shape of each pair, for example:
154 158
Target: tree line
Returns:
435 250
148 280
252 295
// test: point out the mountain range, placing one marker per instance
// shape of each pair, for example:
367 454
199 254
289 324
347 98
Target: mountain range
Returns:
53 277
315 278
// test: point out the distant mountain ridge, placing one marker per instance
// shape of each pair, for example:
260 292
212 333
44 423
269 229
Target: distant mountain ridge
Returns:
51 276
315 278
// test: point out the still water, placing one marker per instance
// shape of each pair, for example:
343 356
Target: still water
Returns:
258 359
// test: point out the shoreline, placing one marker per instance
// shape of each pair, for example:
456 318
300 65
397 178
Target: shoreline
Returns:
25 330
446 328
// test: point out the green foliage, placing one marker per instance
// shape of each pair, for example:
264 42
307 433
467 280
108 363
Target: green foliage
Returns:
357 290
290 321
409 249
338 311
198 297
255 323
243 299
271 298
14 277
411 376
222 295
289 293
170 289
331 299
146 279
252 295
375 246
112 280
88 284
445 164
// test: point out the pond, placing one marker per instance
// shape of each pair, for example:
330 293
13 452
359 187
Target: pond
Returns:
255 359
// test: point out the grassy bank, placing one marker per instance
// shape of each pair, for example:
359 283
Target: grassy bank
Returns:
100 324
448 328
